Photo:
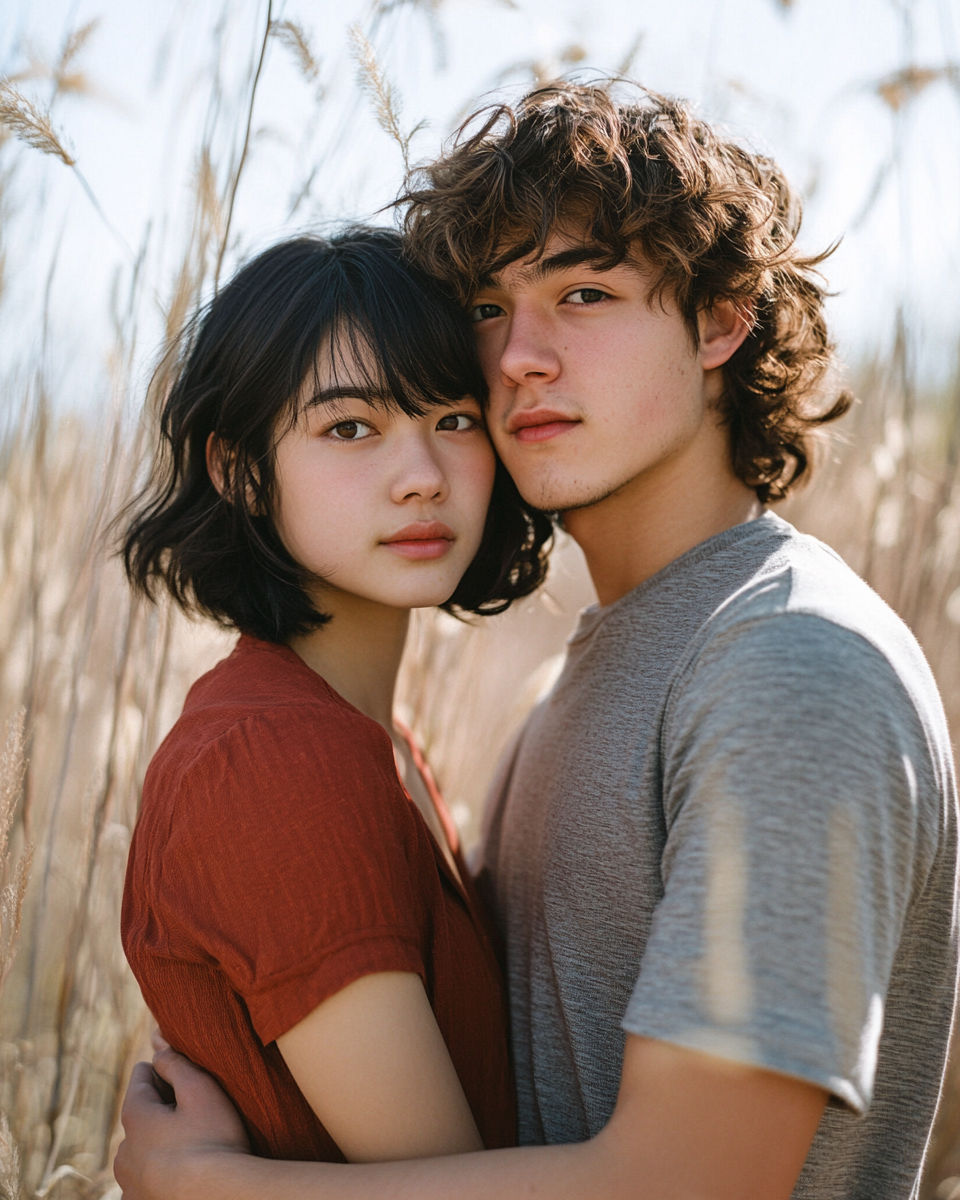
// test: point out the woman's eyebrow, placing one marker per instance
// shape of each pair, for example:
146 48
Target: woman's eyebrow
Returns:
374 396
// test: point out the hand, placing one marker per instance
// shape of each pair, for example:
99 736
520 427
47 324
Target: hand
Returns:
163 1139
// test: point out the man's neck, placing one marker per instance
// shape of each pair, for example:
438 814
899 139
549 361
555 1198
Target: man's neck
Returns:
643 526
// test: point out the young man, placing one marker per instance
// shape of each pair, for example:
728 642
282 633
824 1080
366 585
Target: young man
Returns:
723 850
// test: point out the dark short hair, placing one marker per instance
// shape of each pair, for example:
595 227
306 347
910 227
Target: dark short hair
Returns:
237 371
712 219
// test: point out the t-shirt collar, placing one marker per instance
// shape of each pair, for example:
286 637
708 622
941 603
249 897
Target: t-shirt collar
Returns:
594 615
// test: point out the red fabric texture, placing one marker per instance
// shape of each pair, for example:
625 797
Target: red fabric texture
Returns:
278 858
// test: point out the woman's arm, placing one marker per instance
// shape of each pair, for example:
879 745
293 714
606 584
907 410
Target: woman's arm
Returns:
686 1124
374 1067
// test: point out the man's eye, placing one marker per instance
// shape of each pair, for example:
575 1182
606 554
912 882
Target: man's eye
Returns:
457 422
587 296
350 431
483 312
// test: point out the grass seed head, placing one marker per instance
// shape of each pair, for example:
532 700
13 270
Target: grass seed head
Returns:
31 124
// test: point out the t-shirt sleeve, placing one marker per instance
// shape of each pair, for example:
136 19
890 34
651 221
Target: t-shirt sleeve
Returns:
289 862
792 759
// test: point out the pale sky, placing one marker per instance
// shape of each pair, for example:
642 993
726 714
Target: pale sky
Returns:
798 80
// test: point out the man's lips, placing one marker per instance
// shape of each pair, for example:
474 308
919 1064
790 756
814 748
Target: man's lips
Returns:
423 539
540 424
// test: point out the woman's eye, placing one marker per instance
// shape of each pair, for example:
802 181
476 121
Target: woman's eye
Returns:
587 296
350 431
457 423
483 312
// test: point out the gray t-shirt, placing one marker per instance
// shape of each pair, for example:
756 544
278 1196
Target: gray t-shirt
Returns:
732 825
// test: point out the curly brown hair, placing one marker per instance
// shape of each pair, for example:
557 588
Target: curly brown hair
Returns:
711 219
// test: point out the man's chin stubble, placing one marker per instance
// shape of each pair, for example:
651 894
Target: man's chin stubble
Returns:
554 496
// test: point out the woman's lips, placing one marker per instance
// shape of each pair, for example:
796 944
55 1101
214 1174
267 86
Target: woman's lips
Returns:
424 539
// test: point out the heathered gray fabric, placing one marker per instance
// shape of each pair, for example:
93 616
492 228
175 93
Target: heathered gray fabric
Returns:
732 825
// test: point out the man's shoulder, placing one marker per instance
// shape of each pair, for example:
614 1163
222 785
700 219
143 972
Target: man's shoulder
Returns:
803 598
806 635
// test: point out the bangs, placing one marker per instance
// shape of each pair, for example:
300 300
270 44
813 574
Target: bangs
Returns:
394 335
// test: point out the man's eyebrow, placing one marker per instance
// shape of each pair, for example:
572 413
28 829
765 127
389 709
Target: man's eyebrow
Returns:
569 258
574 256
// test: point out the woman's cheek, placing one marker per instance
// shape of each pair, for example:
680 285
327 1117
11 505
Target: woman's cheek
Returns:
480 479
485 466
314 517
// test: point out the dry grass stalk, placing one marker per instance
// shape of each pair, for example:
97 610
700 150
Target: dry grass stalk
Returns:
9 1162
74 81
13 877
898 89
292 35
31 124
208 229
381 92
237 173
625 67
66 78
432 7
14 885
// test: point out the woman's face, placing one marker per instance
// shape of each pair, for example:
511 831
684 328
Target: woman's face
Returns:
384 506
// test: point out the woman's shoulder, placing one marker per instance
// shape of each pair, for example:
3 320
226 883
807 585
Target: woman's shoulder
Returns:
261 675
262 719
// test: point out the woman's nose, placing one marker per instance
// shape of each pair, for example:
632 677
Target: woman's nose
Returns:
418 475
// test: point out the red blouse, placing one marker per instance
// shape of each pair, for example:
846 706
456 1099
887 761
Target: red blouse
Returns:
278 858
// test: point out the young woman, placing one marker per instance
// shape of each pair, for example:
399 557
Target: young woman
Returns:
297 911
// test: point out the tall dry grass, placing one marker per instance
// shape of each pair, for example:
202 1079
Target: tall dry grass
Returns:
90 679
93 678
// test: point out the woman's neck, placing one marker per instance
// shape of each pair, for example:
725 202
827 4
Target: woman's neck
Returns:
358 652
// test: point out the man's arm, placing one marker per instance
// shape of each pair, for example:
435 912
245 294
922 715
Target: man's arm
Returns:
687 1126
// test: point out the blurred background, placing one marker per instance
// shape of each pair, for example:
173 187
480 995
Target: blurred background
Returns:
145 151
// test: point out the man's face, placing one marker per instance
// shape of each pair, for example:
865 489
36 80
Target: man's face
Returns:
592 383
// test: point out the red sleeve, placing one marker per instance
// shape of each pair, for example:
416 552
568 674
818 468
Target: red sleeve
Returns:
291 861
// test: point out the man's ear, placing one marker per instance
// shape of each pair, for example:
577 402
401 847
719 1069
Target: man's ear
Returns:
723 329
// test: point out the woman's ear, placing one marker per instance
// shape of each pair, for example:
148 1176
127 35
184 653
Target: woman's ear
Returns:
215 457
723 329
220 460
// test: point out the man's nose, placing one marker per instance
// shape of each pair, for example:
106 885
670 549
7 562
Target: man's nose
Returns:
530 355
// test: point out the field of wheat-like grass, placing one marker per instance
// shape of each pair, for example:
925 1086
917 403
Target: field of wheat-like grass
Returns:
90 678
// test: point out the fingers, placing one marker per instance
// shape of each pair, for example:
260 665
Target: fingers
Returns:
141 1094
165 1091
192 1085
202 1106
141 1105
177 1070
158 1041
